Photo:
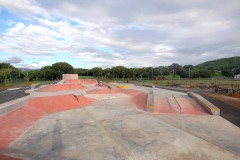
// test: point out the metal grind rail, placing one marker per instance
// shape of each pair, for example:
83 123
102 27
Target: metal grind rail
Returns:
179 107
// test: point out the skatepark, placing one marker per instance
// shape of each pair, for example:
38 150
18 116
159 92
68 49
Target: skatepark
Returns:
80 119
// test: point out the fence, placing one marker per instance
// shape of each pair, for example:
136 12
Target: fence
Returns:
16 81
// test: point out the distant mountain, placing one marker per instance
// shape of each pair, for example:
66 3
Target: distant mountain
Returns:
227 64
26 69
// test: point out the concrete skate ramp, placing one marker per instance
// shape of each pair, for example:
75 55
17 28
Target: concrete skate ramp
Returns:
60 87
81 81
14 123
137 97
167 101
3 157
69 76
178 105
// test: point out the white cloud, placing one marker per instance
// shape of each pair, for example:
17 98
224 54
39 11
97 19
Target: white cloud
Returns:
14 60
136 33
33 65
23 7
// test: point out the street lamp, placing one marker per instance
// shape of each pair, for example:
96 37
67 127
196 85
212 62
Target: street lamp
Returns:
152 73
189 72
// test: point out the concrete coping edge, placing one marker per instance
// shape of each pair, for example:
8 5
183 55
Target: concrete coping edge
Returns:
211 108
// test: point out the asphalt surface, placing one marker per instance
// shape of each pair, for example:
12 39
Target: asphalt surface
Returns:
228 112
8 95
14 93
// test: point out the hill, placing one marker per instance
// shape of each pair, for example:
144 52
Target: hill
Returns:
223 64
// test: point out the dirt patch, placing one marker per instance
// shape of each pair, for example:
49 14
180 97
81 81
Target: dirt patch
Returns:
231 100
61 87
14 123
234 95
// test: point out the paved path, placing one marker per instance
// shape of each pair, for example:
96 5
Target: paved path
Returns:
8 95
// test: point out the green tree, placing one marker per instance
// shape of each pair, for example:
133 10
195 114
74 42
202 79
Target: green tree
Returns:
226 73
175 68
6 65
34 75
96 72
62 68
120 72
48 73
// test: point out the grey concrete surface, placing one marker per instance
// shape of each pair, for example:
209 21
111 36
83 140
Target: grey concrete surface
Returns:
115 129
213 129
13 104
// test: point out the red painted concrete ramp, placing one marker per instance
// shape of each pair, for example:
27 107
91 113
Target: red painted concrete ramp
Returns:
178 105
3 157
14 123
166 101
60 87
81 81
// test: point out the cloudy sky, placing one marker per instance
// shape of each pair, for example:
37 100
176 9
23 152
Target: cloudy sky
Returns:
105 33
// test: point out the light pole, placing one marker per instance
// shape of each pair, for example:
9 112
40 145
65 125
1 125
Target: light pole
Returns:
189 75
189 72
152 74
44 75
161 73
10 74
133 74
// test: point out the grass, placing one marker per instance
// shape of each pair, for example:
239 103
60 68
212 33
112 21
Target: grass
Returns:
85 77
21 84
193 83
186 83
170 76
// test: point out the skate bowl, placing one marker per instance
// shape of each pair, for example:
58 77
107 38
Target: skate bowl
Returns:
14 123
60 87
81 81
137 97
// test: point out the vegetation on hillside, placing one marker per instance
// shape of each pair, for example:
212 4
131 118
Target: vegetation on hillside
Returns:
228 66
222 67
7 71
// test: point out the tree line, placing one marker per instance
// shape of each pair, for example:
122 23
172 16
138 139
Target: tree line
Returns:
55 71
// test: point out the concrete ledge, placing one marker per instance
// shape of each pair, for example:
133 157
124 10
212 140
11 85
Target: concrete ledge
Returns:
12 105
36 85
150 85
150 102
211 108
123 87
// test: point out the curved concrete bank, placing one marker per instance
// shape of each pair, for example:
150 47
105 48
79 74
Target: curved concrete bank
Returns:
14 123
206 104
137 97
60 87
